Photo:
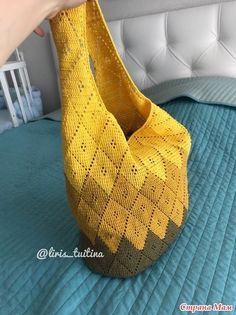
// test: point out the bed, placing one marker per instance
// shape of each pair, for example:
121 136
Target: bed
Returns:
200 266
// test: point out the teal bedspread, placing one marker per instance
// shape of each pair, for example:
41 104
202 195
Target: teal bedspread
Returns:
199 268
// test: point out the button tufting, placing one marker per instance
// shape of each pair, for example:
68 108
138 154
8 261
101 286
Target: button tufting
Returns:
181 46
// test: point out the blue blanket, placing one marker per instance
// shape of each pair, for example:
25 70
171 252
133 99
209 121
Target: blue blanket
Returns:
199 268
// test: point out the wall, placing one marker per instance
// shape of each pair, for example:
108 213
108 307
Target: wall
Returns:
40 64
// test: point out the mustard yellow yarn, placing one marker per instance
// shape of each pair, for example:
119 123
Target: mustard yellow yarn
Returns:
125 158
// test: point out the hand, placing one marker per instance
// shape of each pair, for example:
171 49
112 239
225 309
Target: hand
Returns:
60 5
65 4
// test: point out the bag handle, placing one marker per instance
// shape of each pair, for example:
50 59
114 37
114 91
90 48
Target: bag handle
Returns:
80 34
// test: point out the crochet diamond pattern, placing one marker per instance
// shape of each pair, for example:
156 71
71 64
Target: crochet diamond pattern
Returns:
125 158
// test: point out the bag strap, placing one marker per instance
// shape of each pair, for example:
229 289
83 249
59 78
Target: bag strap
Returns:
81 34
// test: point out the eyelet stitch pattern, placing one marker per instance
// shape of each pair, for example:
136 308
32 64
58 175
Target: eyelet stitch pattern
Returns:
125 158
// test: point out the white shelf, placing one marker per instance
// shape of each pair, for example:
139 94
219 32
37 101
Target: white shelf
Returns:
16 71
13 65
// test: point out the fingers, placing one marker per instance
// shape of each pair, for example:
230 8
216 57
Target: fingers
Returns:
66 4
72 3
39 31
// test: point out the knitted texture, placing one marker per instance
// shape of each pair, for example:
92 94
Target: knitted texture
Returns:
125 158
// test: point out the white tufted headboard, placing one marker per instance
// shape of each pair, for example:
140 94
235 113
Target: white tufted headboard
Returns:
182 42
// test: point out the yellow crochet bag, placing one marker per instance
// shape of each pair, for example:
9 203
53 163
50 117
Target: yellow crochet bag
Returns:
125 158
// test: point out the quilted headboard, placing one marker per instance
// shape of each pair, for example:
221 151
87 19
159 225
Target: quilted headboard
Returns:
181 42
